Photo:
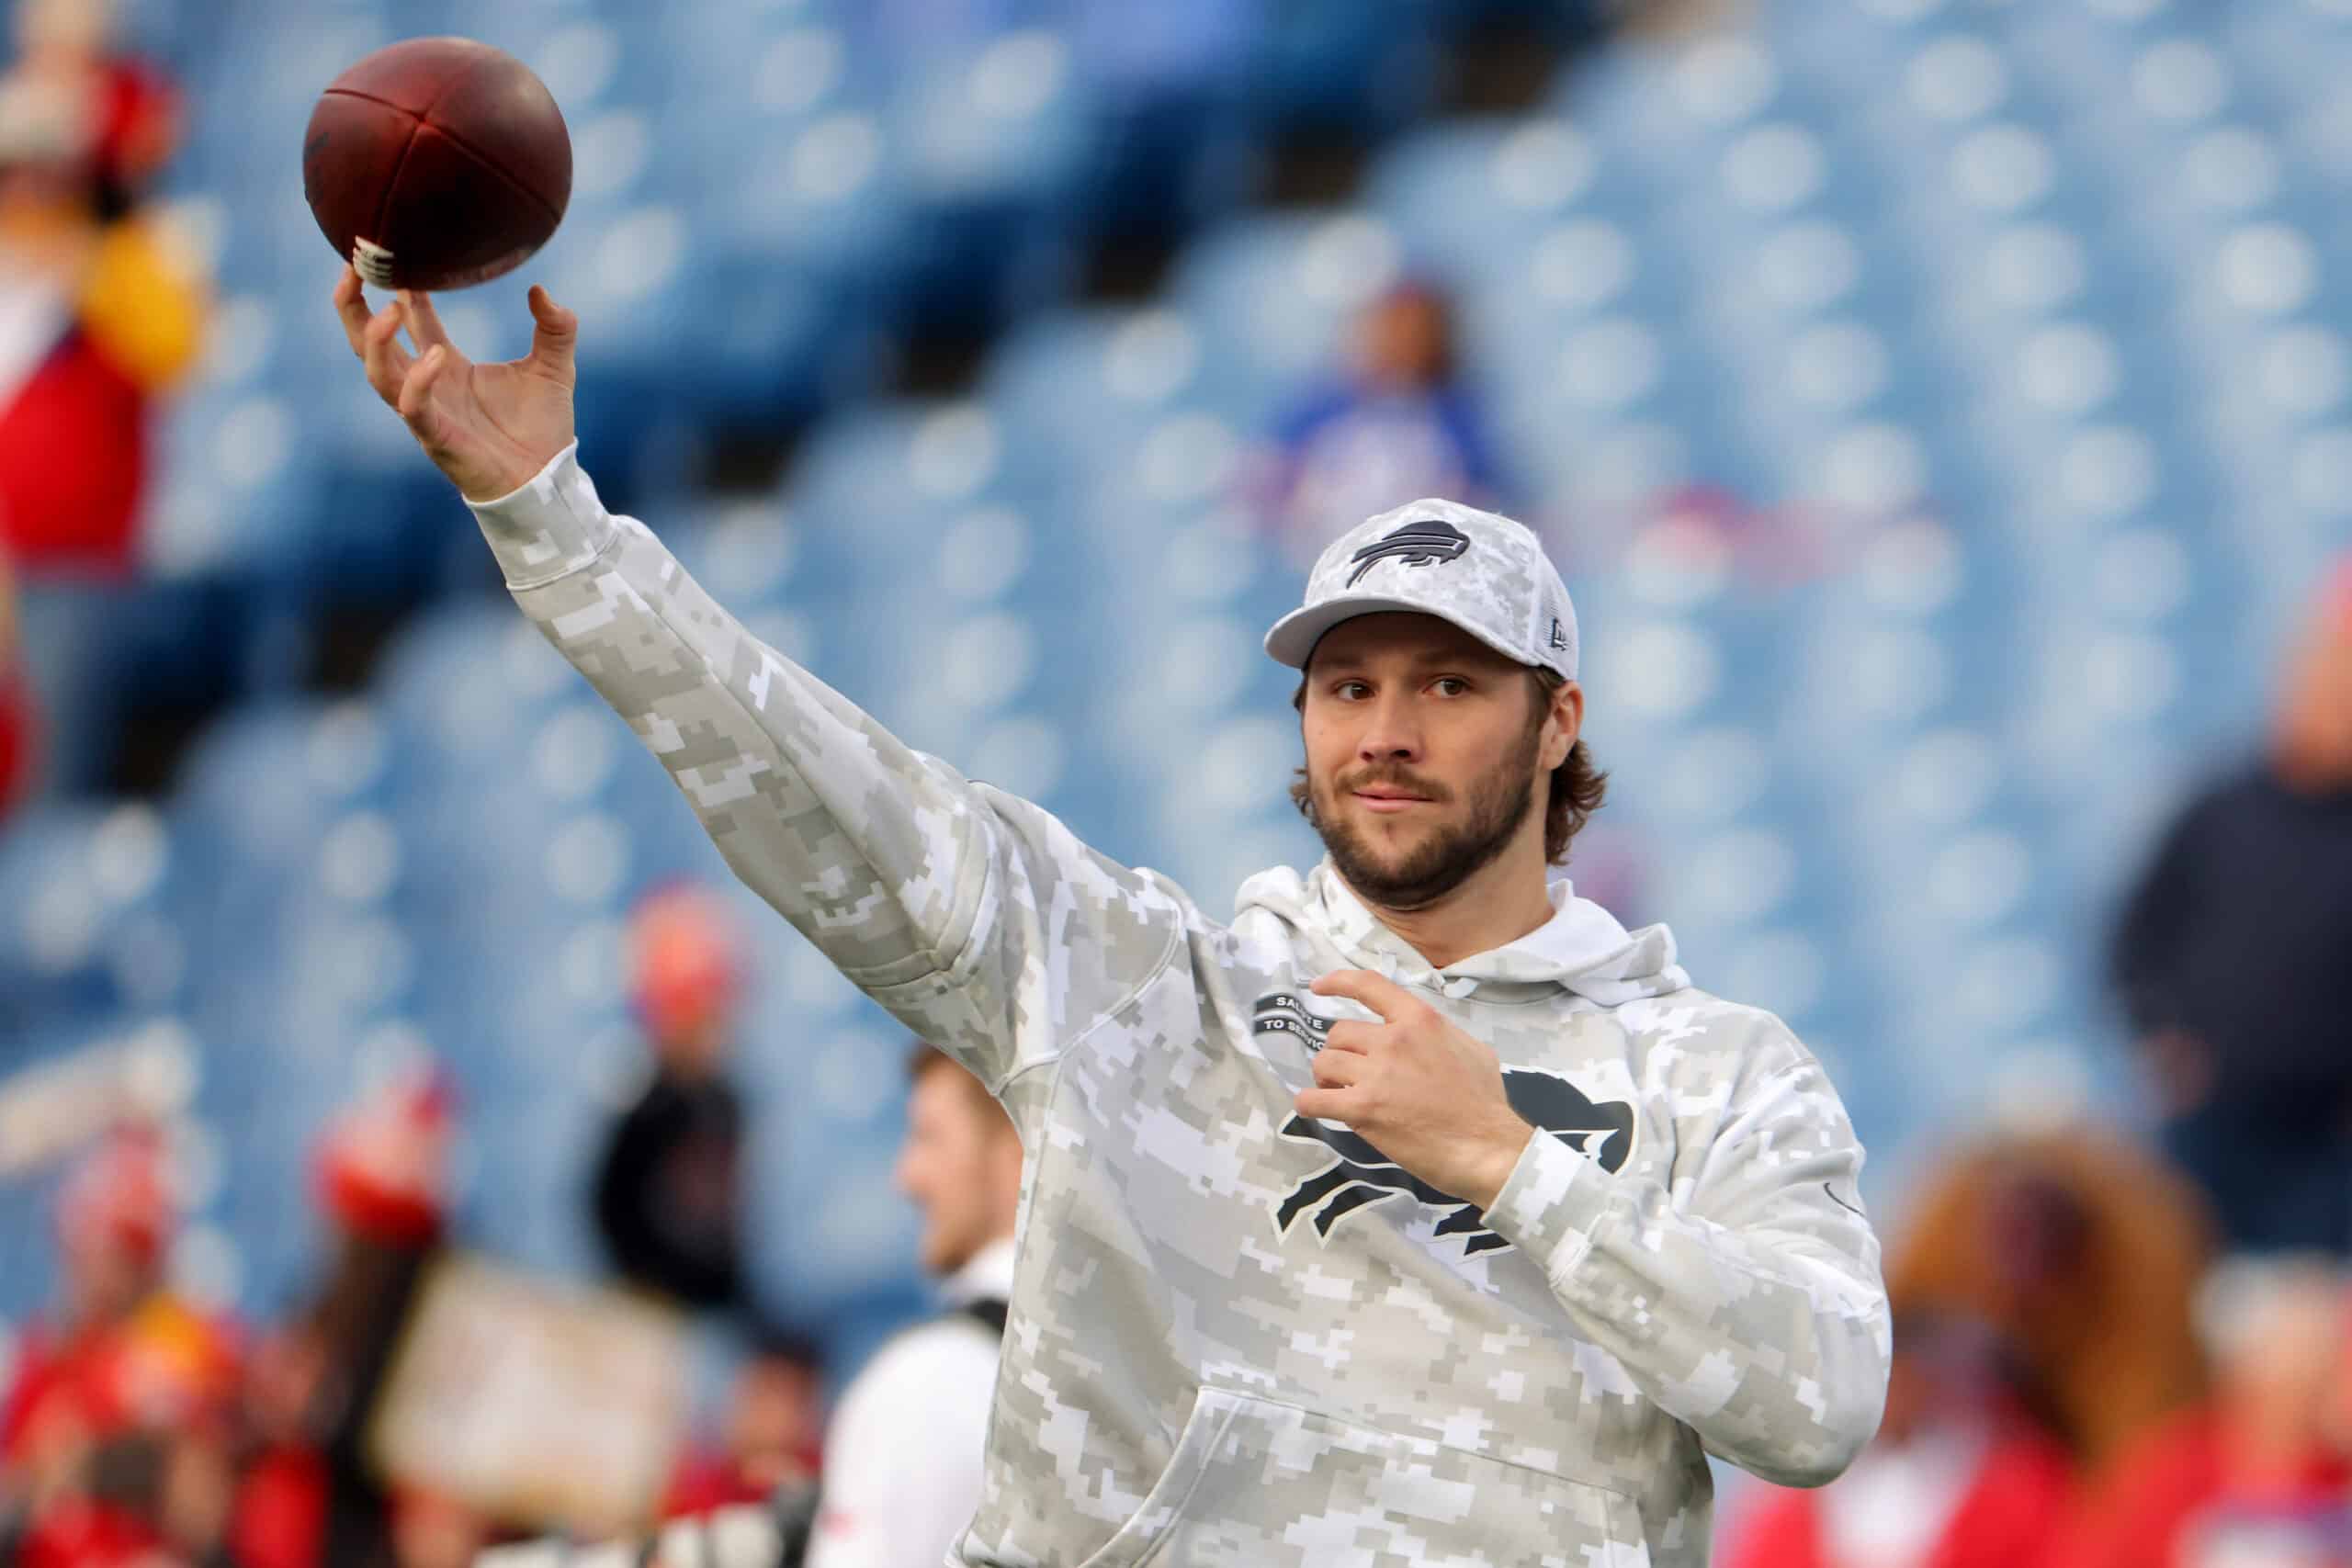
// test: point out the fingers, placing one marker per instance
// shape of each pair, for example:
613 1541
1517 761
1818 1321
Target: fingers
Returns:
351 306
424 323
1352 1037
1338 1069
1324 1105
380 351
416 391
555 334
1382 995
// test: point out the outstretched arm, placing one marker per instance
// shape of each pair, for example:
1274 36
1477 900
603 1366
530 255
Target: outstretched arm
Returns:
948 902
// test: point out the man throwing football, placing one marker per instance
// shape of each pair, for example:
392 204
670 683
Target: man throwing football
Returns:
1421 1213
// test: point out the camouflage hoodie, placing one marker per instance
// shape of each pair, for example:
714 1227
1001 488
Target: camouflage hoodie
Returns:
1237 1336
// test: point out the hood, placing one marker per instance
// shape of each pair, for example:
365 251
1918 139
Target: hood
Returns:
1582 949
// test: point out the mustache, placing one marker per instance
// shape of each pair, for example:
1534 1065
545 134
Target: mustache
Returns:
1393 777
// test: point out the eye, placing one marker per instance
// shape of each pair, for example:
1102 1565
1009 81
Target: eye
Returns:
1449 687
1350 691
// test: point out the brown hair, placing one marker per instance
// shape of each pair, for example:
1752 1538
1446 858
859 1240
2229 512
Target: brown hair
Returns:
1577 786
2084 1253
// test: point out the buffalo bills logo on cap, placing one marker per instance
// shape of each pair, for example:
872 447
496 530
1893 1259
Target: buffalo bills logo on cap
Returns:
1422 542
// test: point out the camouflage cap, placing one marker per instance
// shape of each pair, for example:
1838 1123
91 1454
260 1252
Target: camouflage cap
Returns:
1487 574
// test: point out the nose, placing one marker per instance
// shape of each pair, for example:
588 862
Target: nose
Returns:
1390 734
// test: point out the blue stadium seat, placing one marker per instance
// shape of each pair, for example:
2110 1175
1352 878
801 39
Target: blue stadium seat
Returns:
88 890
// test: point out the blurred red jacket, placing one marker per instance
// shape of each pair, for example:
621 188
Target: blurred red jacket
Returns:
2019 1497
73 460
165 1364
2170 1503
89 1535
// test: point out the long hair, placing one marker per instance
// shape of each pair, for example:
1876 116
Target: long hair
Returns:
2083 1253
1577 786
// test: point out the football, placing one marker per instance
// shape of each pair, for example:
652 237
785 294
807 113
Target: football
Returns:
437 163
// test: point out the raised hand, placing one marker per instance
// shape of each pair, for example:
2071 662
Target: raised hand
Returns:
1420 1090
489 427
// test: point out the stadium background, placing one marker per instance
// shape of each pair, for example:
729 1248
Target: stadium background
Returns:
1940 409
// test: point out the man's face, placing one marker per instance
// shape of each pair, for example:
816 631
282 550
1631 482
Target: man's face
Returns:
1403 341
961 1164
1425 753
2315 724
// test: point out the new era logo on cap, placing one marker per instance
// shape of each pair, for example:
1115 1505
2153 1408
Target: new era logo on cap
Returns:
1421 543
1486 574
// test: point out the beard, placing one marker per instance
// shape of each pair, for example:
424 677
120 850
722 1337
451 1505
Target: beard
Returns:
1450 854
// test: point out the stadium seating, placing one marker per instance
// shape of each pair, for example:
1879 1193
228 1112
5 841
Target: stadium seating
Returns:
2014 335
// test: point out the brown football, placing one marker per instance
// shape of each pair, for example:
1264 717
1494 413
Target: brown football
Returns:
436 163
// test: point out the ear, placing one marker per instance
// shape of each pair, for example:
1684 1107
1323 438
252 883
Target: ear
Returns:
1566 723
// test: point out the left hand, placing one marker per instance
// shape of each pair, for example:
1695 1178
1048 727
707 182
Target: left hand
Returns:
1421 1091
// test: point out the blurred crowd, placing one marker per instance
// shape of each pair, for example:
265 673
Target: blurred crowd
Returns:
142 1427
2110 1355
2110 1350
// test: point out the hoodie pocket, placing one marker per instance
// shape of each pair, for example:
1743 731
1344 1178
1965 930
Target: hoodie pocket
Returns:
1275 1485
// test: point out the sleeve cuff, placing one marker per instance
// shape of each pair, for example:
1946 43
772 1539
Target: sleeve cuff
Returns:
549 527
1552 1204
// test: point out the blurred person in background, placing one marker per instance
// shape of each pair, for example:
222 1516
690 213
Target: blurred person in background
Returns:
902 1475
310 1495
2230 961
903 1461
2082 1255
112 1438
98 310
279 1517
773 1436
668 1187
101 314
2259 1475
2043 1295
1400 422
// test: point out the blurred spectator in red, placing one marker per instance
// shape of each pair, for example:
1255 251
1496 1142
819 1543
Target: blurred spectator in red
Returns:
667 1190
310 1497
1399 424
2230 960
902 1464
1966 1473
773 1438
2043 1292
99 312
280 1514
2262 1473
15 699
112 1439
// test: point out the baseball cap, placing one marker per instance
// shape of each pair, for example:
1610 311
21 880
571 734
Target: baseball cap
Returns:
1487 574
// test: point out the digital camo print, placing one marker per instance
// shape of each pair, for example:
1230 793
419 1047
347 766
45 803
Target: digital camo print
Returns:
1189 1378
